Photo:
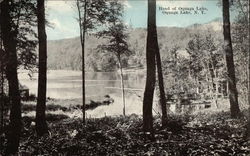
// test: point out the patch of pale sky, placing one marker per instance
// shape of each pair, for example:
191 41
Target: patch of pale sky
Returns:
62 14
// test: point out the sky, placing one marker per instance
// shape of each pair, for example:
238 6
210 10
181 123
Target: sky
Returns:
62 15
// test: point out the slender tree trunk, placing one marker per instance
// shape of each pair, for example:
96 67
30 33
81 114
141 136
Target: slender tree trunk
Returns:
10 44
209 84
214 76
248 123
176 73
150 58
197 84
163 100
214 84
1 81
122 85
233 95
216 90
227 90
2 87
83 30
41 125
1 98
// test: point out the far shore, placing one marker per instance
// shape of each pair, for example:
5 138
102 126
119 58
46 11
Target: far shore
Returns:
77 72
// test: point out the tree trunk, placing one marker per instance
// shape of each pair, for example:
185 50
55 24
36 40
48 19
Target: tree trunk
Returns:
216 92
233 95
2 82
1 100
122 86
83 30
10 44
209 84
248 123
214 76
197 84
150 58
214 84
227 90
163 100
83 61
41 125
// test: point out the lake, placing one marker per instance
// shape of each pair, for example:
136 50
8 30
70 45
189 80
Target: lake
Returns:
63 84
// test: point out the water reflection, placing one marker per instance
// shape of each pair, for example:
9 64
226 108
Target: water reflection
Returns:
68 85
63 85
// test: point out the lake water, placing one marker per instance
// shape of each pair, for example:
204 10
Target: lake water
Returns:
68 84
62 84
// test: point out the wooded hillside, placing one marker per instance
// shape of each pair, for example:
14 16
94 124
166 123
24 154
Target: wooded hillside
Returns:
66 53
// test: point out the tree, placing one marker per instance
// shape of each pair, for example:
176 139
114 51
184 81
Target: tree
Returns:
163 100
1 81
2 78
90 14
210 48
83 29
41 125
205 61
17 18
240 42
10 46
171 66
248 123
233 95
150 61
117 40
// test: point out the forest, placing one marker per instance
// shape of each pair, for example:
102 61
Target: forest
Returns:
198 78
136 39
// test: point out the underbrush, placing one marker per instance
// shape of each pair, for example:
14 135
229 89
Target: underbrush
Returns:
203 134
54 105
49 107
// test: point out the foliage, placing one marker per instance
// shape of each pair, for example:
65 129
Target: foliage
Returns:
66 53
49 107
23 15
240 40
202 134
115 33
96 13
117 37
108 62
201 61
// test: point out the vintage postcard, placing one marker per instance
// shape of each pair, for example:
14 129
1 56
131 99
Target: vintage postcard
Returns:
124 77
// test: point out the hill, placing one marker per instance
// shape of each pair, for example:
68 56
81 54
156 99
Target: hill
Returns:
66 53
